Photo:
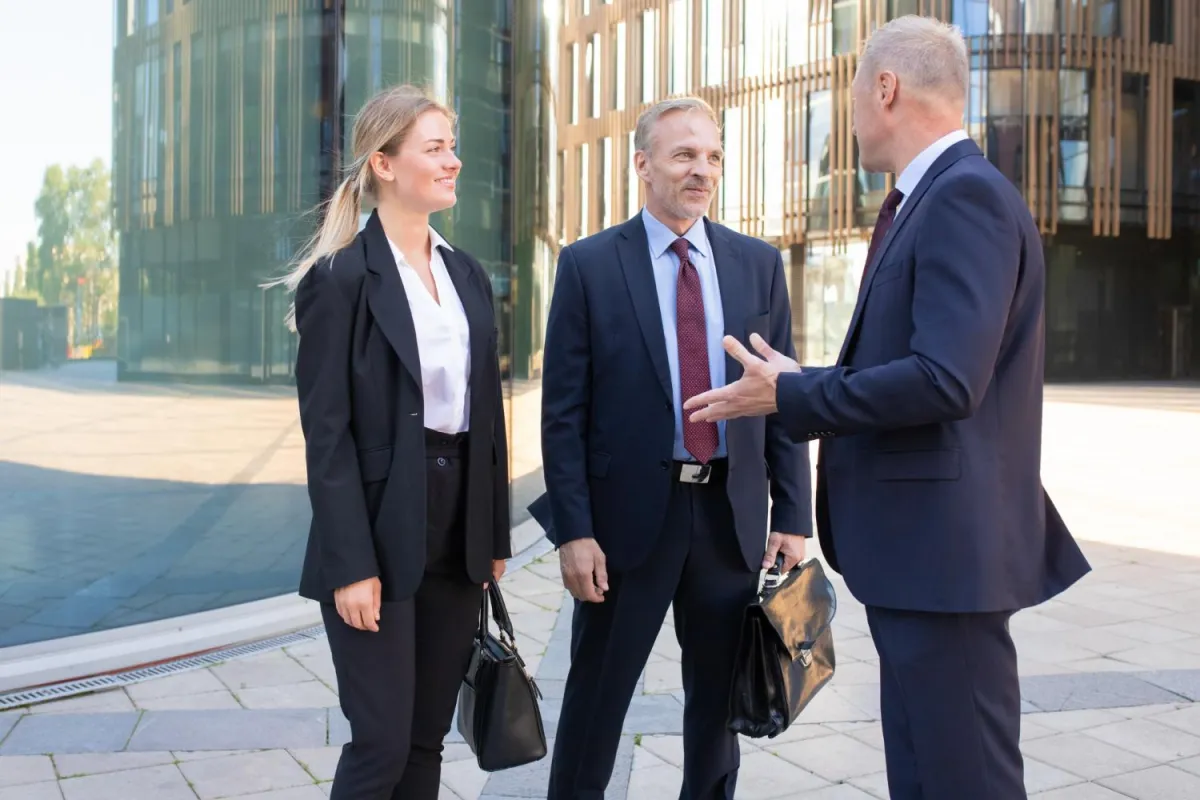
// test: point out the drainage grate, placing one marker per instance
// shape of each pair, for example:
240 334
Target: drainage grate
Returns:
58 691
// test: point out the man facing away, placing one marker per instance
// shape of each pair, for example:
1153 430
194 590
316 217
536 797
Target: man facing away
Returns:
929 493
647 509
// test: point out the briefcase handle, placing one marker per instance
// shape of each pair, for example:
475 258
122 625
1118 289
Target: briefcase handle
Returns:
774 576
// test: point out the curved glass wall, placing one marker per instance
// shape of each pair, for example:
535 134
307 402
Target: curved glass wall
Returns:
151 459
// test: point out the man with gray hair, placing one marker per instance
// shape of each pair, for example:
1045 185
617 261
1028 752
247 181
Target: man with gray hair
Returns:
929 493
648 510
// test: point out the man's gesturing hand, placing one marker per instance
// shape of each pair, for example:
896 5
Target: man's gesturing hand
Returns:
752 395
584 571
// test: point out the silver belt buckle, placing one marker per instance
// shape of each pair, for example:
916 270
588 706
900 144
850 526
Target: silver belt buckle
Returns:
695 473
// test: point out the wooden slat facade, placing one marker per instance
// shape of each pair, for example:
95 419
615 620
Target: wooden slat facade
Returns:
758 76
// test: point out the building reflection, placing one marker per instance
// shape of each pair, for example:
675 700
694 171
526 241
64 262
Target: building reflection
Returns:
155 466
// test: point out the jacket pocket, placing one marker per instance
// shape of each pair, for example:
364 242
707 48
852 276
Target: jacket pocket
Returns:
917 465
375 464
598 464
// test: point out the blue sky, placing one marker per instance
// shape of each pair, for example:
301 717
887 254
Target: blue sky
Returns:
56 59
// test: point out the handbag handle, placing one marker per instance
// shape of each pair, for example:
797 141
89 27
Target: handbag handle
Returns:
499 612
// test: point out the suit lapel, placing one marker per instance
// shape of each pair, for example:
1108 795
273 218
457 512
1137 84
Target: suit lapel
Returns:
952 154
725 254
387 299
633 251
479 319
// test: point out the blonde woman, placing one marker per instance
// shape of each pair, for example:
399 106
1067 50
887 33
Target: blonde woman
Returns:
400 403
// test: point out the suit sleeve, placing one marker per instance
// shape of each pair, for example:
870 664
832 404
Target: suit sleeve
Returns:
501 513
787 459
968 256
566 404
325 321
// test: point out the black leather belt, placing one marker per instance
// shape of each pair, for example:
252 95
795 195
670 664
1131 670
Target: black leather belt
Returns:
715 471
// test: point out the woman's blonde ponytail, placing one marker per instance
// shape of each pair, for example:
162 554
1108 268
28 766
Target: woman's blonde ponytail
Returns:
381 126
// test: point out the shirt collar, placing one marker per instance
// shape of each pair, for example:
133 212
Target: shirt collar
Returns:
661 237
912 174
435 241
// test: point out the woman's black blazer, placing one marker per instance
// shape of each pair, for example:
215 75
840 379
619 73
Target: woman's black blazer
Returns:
358 377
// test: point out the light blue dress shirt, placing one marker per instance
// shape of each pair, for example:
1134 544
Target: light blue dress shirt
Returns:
666 278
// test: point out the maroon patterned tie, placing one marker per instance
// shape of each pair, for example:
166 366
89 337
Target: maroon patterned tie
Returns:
700 438
887 214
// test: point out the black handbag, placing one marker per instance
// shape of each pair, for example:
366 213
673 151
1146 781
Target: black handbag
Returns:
498 713
785 653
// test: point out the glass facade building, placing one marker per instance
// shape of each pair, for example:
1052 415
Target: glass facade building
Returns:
1088 106
151 460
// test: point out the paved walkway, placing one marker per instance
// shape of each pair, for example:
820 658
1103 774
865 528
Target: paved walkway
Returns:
1110 675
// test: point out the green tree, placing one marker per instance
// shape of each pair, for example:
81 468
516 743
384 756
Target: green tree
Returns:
73 262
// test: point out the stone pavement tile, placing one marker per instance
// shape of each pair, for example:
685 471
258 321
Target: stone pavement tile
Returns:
799 731
339 728
70 733
197 755
296 793
1080 791
855 673
1084 756
655 781
1184 682
663 676
71 766
875 785
233 776
860 648
110 700
1034 621
830 705
308 694
192 682
1067 721
1148 632
1096 690
834 758
654 713
1145 737
1159 656
21 770
321 762
467 780
160 783
230 730
207 701
32 791
1185 719
274 668
869 733
1041 777
7 720
1157 783
1052 648
763 776
842 791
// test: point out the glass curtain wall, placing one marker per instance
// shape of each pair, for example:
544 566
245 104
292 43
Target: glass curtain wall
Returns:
151 459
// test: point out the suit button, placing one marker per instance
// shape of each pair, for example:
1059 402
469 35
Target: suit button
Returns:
665 464
441 462
667 406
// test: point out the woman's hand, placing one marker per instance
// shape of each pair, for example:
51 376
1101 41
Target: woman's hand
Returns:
498 567
358 604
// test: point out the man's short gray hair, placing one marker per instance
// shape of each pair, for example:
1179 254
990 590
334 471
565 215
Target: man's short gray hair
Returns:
648 118
925 53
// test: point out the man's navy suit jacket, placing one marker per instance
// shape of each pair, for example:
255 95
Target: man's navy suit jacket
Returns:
929 491
608 423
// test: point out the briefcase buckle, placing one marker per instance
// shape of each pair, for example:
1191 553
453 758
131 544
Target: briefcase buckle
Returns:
695 473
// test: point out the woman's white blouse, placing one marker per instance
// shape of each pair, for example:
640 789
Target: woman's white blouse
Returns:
443 341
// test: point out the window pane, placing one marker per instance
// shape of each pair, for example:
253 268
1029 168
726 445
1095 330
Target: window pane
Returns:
681 51
619 70
714 53
845 26
820 120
